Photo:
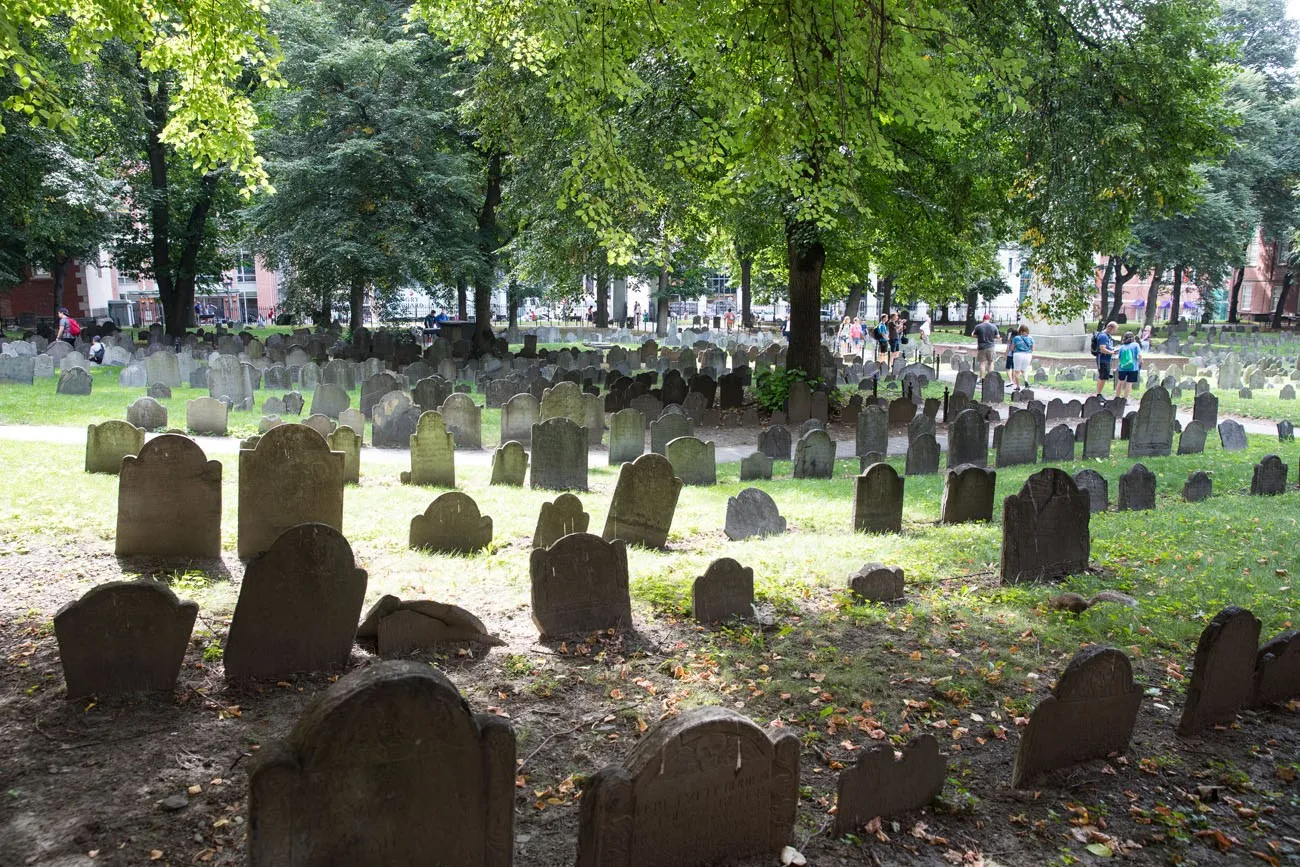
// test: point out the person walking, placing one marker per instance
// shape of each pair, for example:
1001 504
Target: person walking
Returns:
1022 352
923 328
842 337
895 337
1103 346
1144 339
68 328
882 339
986 337
855 337
1128 361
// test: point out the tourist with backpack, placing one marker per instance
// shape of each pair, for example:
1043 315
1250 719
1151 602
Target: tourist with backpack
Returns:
69 329
1103 346
1128 359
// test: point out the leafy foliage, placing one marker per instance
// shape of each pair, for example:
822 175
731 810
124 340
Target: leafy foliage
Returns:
772 387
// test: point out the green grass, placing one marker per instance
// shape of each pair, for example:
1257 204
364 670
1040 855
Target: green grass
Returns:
1264 405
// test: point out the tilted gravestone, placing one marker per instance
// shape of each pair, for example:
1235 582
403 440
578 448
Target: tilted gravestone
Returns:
559 458
1232 435
1223 671
289 477
968 495
645 499
1269 477
1045 529
968 439
433 454
298 605
374 388
347 441
626 436
1192 440
878 500
751 513
879 786
400 628
1099 433
74 381
922 456
393 421
966 382
451 525
123 636
169 501
109 442
1058 445
1019 442
1089 715
518 415
558 519
1094 484
1137 490
725 590
668 427
702 787
755 467
579 586
386 767
509 465
774 442
814 456
1277 670
693 461
1199 486
876 582
464 419
1152 434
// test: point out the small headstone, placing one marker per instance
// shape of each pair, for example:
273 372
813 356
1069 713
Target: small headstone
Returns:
159 391
814 456
1152 434
644 502
433 454
1232 435
509 465
464 419
322 424
878 500
1045 529
1019 442
755 467
922 456
1099 433
1223 671
74 381
1285 432
751 513
693 461
880 786
558 519
206 416
1277 670
1269 477
400 628
968 439
329 400
968 495
1094 484
876 582
109 442
1205 409
1137 490
1192 440
346 440
559 458
1058 445
626 436
1198 487
289 477
725 590
666 428
169 501
775 442
451 525
579 585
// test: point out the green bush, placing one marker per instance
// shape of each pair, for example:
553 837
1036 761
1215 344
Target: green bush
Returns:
772 388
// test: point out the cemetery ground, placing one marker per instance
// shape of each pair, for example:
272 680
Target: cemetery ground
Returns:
163 779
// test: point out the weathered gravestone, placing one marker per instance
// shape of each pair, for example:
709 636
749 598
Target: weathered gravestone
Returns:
878 500
901 411
579 586
322 424
451 525
645 499
1285 432
123 636
147 414
725 590
1232 435
879 786
289 477
755 466
159 391
400 628
464 419
374 388
704 787
394 420
563 400
387 767
558 519
1198 487
1019 441
164 368
433 454
559 459
1153 427
1089 715
1192 440
992 389
431 391
298 605
1045 529
109 442
1277 670
872 431
751 513
1094 484
20 370
968 495
518 415
668 427
169 501
799 403
626 436
774 442
231 381
814 456
1269 477
352 417
968 439
876 582
1223 671
1137 490
693 461
509 465
344 439
922 456
329 400
74 381
1205 409
1058 445
1098 434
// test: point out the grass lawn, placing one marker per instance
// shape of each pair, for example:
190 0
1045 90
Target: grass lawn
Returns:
1263 405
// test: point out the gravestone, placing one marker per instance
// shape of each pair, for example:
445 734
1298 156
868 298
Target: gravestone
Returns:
725 590
968 495
123 636
1153 428
1232 435
147 414
968 439
399 628
509 465
1269 477
451 525
374 388
1192 440
344 439
1058 445
901 411
693 461
159 391
1089 715
878 500
433 454
966 382
1277 670
394 420
704 787
1045 529
1198 487
880 786
1096 487
464 419
814 456
922 456
386 767
752 512
298 604
563 400
876 582
559 455
1019 442
289 477
811 424
774 441
323 425
293 403
799 403
559 518
231 381
169 501
74 381
645 499
273 406
20 370
579 585
163 368
109 442
626 436
1223 671
518 415
668 427
992 389
1205 409
1098 434
329 400
1137 490
755 466
431 391
919 426
1285 432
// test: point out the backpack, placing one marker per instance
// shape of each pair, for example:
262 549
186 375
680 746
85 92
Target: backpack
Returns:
73 328
1095 349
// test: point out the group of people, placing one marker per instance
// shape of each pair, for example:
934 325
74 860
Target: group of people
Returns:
888 336
1123 363
1019 350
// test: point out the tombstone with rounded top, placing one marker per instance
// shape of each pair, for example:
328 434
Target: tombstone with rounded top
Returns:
876 582
774 441
147 414
290 477
1152 434
879 786
394 420
645 499
693 461
1232 435
559 458
1192 440
814 456
755 466
1269 477
580 585
1198 487
968 495
322 424
169 501
509 465
968 438
109 442
464 419
878 500
752 512
668 427
1137 490
1277 670
74 381
558 519
1223 671
725 590
1045 531
451 525
433 454
344 439
922 456
1094 484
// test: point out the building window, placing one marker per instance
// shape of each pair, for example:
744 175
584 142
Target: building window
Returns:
1247 293
718 284
245 271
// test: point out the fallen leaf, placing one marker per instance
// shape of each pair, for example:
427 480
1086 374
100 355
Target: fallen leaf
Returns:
155 854
791 855
1101 850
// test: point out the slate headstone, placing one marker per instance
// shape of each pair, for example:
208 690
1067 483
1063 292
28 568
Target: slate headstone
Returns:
880 786
753 512
433 453
968 495
1094 484
1198 487
1152 434
755 466
289 477
644 502
922 456
1269 477
169 501
1232 435
1045 531
1058 445
579 585
1223 671
451 525
814 456
1192 440
1137 490
626 436
774 442
876 582
725 590
693 461
509 465
878 500
968 438
559 518
559 458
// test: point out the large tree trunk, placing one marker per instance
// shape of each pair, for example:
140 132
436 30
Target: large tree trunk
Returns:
512 304
853 303
1176 296
661 303
325 314
602 296
1105 286
1282 298
806 257
1122 275
356 300
1153 295
488 244
886 292
746 283
462 299
972 298
1234 294
56 272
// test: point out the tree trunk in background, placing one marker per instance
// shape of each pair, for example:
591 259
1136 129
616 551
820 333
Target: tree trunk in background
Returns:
1176 296
1282 297
512 304
57 273
1122 276
661 304
806 257
356 298
1234 294
488 243
602 296
462 299
325 315
1153 295
853 303
972 298
746 302
886 293
1105 286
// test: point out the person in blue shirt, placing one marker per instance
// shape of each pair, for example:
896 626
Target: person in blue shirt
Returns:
1022 352
1105 354
1128 358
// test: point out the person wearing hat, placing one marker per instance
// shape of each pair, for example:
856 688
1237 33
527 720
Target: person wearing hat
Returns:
68 328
